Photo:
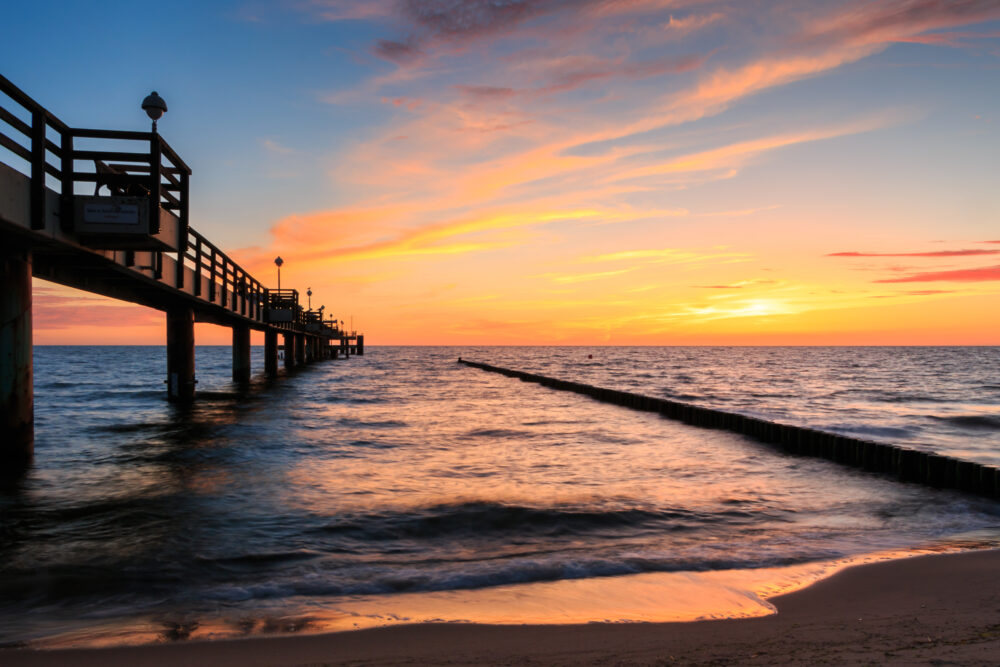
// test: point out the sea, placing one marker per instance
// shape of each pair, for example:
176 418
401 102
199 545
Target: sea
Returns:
401 486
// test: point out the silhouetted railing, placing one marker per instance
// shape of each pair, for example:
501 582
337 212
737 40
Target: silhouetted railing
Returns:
224 275
157 173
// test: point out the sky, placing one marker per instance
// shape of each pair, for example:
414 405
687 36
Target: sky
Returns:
577 172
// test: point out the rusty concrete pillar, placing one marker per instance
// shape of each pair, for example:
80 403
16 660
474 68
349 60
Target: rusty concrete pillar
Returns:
271 352
180 354
300 349
241 353
361 345
289 349
17 433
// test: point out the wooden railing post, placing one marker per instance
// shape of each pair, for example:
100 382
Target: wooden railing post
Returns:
66 211
182 230
225 280
211 279
197 266
154 183
37 187
243 293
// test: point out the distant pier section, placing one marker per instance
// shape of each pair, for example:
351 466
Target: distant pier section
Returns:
107 212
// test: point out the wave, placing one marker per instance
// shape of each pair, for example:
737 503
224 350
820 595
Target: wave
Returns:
381 580
978 422
134 428
498 433
680 396
360 423
482 518
876 431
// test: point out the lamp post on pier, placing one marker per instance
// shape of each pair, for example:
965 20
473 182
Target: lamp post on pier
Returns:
278 262
154 106
309 293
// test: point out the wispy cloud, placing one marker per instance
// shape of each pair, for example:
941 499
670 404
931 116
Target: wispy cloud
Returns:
667 255
273 146
983 274
933 253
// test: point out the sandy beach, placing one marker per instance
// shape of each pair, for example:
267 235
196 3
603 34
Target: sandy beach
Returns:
938 609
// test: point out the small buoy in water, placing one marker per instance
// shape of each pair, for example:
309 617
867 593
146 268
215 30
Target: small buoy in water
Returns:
590 356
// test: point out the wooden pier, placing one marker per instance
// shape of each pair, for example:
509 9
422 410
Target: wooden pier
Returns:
107 212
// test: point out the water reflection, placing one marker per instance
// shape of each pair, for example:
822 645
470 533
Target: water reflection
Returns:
401 484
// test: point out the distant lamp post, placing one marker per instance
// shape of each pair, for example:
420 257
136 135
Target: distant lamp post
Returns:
309 293
154 106
278 262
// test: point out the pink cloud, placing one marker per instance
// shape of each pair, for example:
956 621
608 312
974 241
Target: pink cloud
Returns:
984 274
882 22
52 311
937 253
954 39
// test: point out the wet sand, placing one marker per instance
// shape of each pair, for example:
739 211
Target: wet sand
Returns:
940 609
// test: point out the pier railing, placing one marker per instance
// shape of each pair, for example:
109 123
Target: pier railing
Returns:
57 157
51 150
224 275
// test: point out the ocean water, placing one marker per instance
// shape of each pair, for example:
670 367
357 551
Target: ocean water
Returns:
403 486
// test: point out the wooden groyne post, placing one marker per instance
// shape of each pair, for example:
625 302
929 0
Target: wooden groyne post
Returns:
901 463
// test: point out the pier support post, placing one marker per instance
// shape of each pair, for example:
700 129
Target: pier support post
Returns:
289 349
241 353
17 434
180 354
271 352
300 349
361 345
310 356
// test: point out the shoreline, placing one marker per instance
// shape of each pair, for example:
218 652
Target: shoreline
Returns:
928 607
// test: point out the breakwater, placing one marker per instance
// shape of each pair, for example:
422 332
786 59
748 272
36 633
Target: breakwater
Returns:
905 464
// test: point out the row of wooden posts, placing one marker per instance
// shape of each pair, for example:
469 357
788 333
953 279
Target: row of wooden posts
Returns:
299 349
901 463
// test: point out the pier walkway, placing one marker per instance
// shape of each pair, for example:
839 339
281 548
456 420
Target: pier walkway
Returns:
107 212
